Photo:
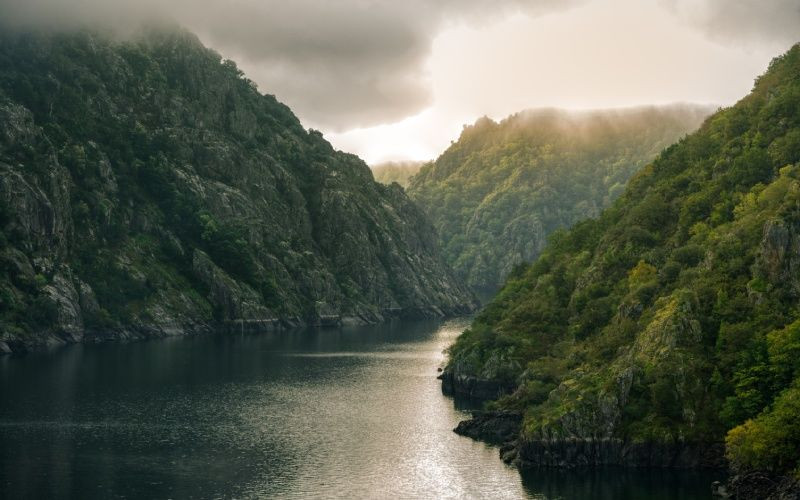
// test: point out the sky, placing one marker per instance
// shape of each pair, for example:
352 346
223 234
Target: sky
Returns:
397 80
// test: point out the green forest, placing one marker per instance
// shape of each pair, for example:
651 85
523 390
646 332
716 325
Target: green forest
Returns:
673 317
499 191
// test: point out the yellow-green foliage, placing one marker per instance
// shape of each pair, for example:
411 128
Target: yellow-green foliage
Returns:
642 274
770 441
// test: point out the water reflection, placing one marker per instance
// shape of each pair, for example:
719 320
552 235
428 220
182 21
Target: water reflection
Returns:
353 412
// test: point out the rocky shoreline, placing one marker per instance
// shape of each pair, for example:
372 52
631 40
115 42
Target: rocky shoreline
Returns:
758 485
10 344
503 429
461 384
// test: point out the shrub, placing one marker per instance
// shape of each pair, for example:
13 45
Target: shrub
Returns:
771 441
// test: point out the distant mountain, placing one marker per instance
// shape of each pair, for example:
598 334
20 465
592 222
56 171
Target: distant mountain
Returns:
396 171
648 335
498 192
148 188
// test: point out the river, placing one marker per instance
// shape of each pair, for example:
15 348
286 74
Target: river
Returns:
327 413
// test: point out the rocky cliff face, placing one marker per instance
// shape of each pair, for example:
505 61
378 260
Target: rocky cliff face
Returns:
147 188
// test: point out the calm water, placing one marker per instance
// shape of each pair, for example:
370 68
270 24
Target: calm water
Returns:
349 413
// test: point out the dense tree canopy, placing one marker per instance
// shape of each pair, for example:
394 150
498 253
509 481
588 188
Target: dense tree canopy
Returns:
502 188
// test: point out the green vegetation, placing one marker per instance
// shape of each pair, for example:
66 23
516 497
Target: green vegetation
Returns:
502 188
674 315
147 184
771 440
396 171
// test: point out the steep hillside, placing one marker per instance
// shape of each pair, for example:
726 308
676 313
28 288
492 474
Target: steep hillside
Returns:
646 336
148 188
502 188
396 171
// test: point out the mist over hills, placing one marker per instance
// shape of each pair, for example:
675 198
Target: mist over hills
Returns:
496 193
396 171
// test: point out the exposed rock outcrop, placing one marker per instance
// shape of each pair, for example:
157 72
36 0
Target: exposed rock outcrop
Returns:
469 386
496 427
779 254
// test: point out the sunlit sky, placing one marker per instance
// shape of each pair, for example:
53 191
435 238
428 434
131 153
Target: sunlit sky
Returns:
397 79
602 54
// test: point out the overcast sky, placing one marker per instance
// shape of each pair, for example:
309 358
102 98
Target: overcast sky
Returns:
397 79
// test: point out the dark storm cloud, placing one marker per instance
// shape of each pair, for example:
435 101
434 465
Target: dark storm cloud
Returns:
743 21
338 63
343 63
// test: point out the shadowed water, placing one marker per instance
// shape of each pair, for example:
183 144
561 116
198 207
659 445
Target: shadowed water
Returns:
345 413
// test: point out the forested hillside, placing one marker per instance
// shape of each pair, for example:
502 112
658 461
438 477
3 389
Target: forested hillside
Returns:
502 188
671 322
148 188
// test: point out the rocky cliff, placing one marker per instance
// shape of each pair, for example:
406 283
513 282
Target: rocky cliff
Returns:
148 188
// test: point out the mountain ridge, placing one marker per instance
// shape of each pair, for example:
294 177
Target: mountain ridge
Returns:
149 189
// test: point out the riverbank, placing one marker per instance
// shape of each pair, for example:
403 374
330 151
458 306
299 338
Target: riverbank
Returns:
351 412
19 343
503 429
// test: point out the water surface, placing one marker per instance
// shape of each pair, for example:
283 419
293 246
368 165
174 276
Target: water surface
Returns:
336 413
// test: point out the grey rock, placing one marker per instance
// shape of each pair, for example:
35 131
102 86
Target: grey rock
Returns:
744 485
779 254
492 427
62 292
719 490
